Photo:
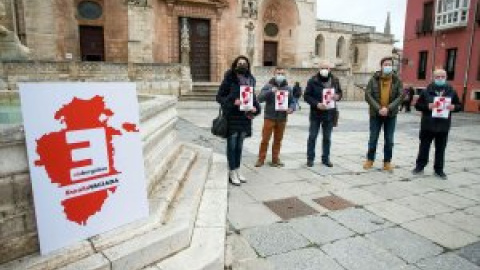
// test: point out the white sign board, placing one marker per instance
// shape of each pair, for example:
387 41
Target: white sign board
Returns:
441 107
246 98
281 100
85 158
329 98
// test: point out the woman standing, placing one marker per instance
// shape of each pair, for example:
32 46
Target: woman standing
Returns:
239 122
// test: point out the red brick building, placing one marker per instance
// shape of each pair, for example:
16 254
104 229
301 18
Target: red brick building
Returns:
444 33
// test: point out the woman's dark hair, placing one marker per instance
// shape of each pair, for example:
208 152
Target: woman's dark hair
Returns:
297 84
235 62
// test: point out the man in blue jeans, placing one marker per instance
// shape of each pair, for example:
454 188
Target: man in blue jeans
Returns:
320 115
384 94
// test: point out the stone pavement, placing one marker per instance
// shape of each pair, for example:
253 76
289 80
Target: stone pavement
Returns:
343 217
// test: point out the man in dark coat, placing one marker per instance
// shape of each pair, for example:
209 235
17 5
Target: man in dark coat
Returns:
319 113
435 128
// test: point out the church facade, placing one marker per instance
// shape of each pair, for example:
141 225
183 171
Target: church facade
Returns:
206 34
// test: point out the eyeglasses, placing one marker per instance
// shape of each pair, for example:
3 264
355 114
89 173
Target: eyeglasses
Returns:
440 77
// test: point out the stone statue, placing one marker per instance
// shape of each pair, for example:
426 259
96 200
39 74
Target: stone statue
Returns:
253 8
185 43
245 8
250 40
10 46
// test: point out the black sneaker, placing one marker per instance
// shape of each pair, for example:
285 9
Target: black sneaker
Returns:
310 163
417 171
328 164
441 175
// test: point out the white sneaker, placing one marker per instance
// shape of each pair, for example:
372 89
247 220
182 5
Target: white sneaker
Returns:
233 178
240 177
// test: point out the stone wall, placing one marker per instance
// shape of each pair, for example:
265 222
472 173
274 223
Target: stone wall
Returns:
150 78
18 232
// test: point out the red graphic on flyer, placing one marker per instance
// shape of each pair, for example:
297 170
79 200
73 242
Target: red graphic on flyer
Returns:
441 107
281 100
80 157
329 98
246 98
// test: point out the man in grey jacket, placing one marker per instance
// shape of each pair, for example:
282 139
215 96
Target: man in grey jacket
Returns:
275 117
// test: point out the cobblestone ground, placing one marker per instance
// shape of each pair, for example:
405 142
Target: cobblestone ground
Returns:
344 217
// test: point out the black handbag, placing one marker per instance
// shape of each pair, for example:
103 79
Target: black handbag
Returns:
220 125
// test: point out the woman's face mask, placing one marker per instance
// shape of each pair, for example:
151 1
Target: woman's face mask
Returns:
324 72
280 78
387 70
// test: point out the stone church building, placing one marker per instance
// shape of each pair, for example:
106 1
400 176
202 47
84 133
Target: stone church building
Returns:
209 33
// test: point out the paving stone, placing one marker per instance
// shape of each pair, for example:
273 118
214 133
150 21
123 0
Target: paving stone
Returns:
274 239
320 229
237 195
333 203
404 244
289 208
470 192
450 199
299 188
246 215
388 191
475 210
359 196
471 253
424 205
467 222
360 220
304 259
448 261
321 169
240 248
357 253
263 193
441 233
414 187
253 264
394 212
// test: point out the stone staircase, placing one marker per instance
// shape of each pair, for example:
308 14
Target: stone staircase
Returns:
187 194
202 91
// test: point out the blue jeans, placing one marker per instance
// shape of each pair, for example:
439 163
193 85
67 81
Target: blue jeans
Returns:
234 149
327 127
376 123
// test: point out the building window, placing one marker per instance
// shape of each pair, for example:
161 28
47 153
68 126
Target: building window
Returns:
89 10
340 47
319 46
450 63
422 65
451 14
355 55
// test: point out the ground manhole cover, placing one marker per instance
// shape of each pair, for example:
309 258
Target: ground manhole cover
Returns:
333 203
290 208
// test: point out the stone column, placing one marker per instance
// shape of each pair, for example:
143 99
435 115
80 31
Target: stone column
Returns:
186 83
250 41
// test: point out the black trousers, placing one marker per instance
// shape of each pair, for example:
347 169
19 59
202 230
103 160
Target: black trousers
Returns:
426 138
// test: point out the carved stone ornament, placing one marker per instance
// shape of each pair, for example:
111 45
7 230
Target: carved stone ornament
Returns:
10 46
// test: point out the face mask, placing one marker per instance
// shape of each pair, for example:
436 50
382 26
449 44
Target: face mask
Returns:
324 72
440 82
387 70
280 78
241 69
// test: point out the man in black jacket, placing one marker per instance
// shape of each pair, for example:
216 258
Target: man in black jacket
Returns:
319 113
435 128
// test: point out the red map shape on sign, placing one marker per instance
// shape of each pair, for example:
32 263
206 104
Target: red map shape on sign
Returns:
55 153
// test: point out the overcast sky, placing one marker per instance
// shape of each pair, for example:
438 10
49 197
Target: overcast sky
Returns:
367 12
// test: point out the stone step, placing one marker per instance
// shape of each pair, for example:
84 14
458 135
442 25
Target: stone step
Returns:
167 231
198 98
207 249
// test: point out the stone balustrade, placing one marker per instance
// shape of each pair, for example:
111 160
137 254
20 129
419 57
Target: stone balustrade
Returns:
151 78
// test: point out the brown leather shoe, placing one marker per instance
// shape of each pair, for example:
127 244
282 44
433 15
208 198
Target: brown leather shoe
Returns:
368 164
277 163
387 166
259 163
